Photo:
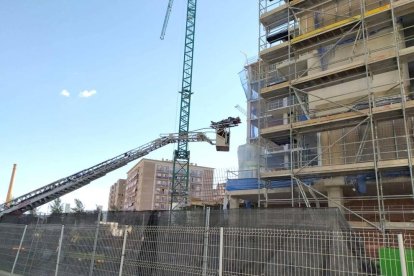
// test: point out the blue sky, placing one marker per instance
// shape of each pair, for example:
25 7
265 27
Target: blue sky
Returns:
110 51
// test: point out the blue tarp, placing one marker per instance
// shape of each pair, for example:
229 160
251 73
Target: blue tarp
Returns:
253 183
242 184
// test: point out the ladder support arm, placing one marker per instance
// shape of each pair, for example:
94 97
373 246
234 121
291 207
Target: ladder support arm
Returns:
75 181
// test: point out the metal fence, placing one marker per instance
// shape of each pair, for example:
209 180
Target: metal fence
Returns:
113 249
200 242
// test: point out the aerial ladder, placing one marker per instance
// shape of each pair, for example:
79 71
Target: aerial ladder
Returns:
181 165
75 181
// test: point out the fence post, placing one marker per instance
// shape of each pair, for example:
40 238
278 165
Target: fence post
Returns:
123 251
18 251
60 248
95 242
221 251
205 253
402 255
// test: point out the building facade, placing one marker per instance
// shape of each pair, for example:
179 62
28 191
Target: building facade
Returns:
149 181
334 111
117 195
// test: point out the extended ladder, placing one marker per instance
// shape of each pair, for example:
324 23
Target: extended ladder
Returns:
75 181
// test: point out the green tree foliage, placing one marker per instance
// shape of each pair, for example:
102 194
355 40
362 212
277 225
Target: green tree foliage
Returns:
56 207
79 208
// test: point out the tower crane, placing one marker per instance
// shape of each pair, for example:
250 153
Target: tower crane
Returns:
181 165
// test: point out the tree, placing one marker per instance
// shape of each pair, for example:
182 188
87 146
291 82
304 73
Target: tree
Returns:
79 208
56 207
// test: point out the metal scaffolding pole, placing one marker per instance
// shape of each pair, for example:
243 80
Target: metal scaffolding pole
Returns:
372 123
290 116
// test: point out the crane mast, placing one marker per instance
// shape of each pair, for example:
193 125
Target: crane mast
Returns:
181 164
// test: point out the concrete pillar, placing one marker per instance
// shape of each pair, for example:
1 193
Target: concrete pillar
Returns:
334 187
335 194
234 203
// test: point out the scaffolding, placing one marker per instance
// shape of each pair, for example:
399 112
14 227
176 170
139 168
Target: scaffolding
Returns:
335 112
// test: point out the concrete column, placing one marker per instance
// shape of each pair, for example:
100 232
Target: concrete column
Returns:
234 203
335 195
334 187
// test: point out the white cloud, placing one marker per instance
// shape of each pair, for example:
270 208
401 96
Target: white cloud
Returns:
87 93
65 93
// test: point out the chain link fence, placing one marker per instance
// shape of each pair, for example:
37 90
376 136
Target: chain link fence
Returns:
252 242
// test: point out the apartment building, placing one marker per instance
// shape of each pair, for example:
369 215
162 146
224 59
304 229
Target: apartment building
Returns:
117 195
149 181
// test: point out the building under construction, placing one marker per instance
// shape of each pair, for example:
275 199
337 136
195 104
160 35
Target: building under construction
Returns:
330 110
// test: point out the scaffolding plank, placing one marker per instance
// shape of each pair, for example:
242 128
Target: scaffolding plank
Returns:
337 121
276 53
277 15
350 71
403 7
343 169
279 90
280 52
340 24
407 54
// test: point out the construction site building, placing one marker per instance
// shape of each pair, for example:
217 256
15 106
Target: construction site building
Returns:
117 195
149 181
330 110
